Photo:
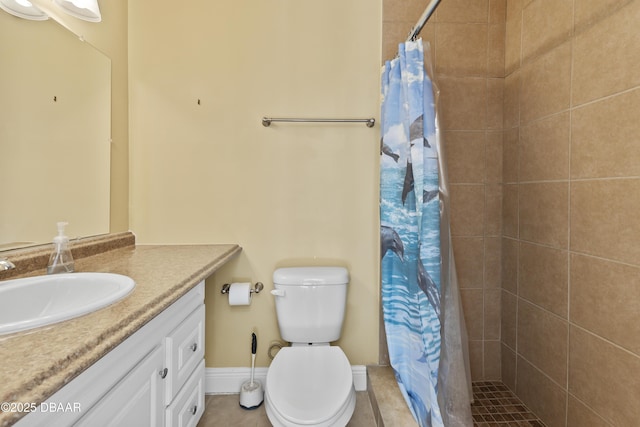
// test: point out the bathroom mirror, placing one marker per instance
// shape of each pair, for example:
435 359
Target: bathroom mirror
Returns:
55 128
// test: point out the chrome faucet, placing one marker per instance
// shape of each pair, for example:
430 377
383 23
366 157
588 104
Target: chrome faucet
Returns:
5 264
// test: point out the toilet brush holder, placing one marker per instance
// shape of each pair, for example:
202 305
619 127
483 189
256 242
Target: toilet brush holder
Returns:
251 395
251 392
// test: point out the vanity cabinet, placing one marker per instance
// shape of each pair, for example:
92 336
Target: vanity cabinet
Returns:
135 401
154 378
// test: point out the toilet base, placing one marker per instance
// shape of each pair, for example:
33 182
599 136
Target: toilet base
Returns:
340 419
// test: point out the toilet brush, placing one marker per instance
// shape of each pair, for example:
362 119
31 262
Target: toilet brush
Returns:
251 393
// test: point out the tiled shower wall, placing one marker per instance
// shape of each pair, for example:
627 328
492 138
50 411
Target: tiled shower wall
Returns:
467 46
571 232
541 113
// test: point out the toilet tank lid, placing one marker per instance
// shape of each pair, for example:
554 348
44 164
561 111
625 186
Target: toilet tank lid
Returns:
311 276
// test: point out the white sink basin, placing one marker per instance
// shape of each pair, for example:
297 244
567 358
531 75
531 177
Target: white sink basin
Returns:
42 300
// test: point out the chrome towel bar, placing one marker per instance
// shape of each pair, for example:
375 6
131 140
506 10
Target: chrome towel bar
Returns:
266 121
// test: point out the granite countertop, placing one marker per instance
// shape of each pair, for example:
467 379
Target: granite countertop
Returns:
35 364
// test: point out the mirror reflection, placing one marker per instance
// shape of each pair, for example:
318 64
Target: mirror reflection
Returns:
55 129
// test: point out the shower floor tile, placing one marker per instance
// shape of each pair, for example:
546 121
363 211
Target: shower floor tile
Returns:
495 405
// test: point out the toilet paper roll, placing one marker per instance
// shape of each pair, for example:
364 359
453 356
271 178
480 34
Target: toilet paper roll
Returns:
240 294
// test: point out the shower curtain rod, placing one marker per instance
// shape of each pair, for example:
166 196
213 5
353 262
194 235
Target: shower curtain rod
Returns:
423 20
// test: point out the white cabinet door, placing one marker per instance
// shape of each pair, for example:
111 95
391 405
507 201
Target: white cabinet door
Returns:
136 401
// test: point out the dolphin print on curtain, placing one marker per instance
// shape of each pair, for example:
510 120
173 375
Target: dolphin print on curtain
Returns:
410 231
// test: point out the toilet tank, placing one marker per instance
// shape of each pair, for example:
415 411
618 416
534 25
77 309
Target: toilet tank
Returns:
310 303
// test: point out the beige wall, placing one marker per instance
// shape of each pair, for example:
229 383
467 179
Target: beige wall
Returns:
466 39
571 236
205 170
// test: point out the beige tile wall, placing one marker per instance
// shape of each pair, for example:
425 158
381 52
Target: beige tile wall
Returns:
571 234
468 51
541 104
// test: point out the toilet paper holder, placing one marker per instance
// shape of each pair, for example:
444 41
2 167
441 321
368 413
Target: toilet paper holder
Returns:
256 288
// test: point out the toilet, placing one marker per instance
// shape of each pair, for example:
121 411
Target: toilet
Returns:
310 383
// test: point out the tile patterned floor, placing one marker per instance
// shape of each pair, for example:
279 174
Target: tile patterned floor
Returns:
496 406
225 411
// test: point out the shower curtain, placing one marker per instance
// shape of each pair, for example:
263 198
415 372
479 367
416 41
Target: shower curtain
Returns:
423 320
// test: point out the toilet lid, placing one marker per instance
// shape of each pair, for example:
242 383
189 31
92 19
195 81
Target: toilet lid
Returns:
308 385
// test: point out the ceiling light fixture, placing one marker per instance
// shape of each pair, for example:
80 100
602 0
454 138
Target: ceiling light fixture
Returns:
23 9
87 10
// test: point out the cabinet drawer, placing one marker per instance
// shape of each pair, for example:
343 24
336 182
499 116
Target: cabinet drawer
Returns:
188 407
184 351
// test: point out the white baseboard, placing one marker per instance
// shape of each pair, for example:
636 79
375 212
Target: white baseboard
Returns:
229 380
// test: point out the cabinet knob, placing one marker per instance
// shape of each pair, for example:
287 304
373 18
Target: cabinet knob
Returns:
163 373
194 347
194 409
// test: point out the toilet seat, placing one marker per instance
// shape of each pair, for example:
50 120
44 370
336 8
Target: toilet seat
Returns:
310 386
